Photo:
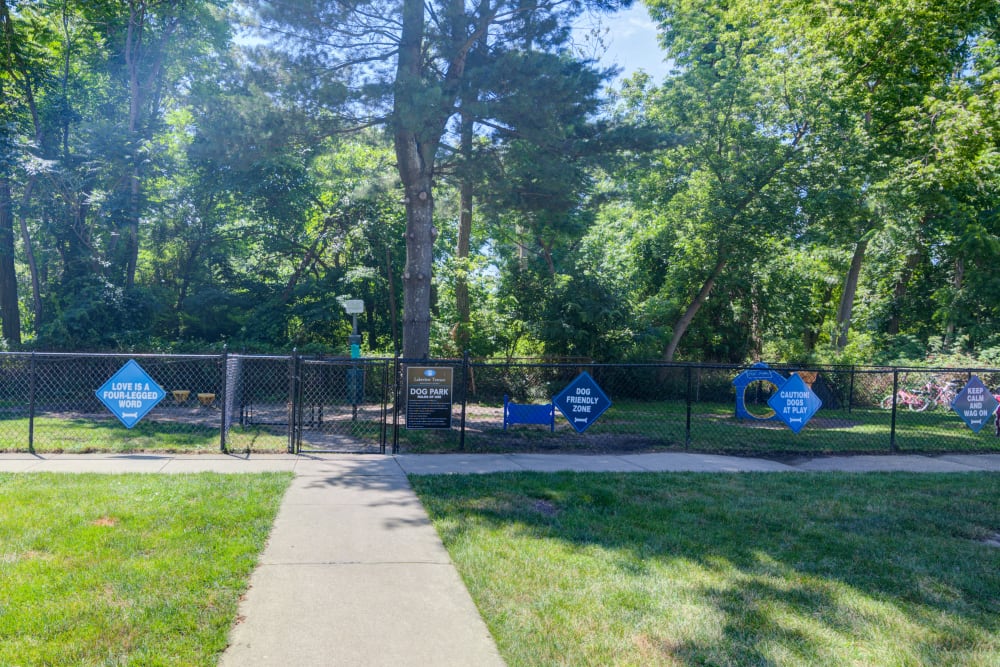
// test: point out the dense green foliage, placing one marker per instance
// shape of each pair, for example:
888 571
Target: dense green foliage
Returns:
813 180
836 194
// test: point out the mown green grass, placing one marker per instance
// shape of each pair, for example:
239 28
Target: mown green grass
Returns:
127 569
78 435
693 569
628 426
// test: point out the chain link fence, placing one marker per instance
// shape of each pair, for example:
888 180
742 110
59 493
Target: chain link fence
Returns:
294 403
693 407
51 403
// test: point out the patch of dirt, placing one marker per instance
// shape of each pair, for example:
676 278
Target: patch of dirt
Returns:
106 521
776 425
656 648
26 556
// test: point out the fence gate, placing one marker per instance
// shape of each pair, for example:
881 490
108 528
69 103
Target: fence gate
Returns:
341 405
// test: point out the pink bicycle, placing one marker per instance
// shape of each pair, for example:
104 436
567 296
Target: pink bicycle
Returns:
940 395
915 401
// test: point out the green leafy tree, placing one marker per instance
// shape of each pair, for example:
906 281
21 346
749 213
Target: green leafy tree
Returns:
9 305
93 84
744 97
296 220
410 63
800 123
890 61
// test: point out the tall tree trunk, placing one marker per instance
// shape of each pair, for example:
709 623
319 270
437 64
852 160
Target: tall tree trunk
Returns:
550 263
845 311
814 325
132 228
756 322
18 71
420 234
149 56
29 252
699 300
415 162
186 273
9 306
462 246
956 283
393 315
899 291
420 116
133 48
419 121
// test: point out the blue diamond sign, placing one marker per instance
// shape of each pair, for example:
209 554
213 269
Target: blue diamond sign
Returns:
130 394
582 402
795 403
975 404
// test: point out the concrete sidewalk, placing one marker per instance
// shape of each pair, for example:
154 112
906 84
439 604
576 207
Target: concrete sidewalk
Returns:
433 464
354 573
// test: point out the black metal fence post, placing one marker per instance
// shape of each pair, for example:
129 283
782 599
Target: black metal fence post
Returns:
892 427
224 373
33 384
465 398
395 406
687 400
385 407
292 401
850 395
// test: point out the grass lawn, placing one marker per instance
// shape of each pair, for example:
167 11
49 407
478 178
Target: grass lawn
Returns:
76 435
630 426
127 569
753 569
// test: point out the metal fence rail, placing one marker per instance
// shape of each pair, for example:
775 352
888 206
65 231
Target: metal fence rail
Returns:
50 401
296 403
691 406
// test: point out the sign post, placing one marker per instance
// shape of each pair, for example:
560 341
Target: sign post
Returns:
130 394
429 397
354 307
355 374
582 402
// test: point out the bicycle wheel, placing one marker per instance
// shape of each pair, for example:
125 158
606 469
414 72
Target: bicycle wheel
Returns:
886 403
918 403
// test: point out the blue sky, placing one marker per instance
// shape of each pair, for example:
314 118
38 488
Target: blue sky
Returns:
631 41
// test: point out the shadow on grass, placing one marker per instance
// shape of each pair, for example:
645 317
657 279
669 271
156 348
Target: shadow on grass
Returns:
730 569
